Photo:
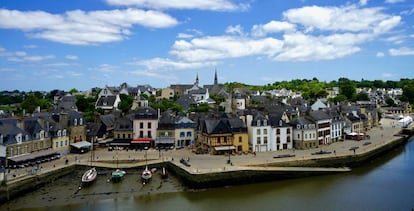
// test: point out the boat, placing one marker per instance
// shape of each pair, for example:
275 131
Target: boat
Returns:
164 173
89 176
321 152
146 175
117 175
284 156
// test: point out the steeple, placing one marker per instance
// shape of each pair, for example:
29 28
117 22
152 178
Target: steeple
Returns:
196 81
215 77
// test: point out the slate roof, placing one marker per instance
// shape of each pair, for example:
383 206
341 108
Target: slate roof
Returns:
108 120
276 120
186 101
32 126
9 130
214 126
319 115
145 113
124 124
95 129
300 121
106 101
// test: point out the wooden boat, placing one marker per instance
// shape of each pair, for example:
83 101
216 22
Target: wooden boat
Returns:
146 175
164 173
284 156
117 175
89 176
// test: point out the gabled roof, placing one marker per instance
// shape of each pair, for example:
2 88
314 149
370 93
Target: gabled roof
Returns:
276 120
319 115
108 120
145 113
186 101
31 126
124 123
214 126
300 121
106 101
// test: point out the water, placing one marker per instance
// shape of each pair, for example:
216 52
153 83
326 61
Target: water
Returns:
385 184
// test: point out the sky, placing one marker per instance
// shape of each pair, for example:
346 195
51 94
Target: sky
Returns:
49 44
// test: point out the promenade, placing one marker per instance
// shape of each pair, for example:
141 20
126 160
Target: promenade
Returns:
205 163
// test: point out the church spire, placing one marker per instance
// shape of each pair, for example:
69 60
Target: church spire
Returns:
196 81
215 77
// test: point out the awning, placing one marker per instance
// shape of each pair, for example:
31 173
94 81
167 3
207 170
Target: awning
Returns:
82 144
33 155
224 148
165 140
120 144
105 141
141 141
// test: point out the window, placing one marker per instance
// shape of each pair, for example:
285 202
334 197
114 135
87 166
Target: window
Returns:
258 140
141 125
61 143
149 125
26 149
258 122
18 150
298 136
66 142
129 136
75 122
119 136
57 144
182 134
278 131
141 134
265 122
288 139
265 131
265 140
258 131
288 131
59 133
123 136
64 132
35 146
80 121
189 134
278 140
240 139
149 134
11 152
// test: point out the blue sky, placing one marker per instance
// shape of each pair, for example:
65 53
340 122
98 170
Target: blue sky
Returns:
49 44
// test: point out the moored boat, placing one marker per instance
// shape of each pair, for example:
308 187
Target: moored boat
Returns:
117 175
164 173
146 175
89 176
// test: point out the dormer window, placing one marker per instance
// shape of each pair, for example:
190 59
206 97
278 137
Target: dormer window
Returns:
59 133
258 122
75 122
265 122
64 132
80 121
298 126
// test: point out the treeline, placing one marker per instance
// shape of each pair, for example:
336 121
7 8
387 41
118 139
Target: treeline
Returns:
313 89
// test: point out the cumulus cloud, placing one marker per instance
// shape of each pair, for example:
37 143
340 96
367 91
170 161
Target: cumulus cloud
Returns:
215 5
380 54
403 51
238 29
223 47
272 27
165 63
363 2
78 27
344 18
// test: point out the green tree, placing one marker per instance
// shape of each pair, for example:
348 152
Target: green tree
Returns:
30 103
347 88
389 101
362 96
126 103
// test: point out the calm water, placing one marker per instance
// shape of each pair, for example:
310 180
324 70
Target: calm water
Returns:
385 184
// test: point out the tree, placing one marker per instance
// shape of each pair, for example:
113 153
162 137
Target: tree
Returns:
73 90
347 88
362 96
126 103
30 103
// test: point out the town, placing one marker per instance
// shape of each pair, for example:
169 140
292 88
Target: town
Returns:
206 120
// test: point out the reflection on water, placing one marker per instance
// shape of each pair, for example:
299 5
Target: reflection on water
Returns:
385 184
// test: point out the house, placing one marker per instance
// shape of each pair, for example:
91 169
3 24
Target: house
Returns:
304 133
108 99
67 102
13 139
323 124
123 131
337 124
145 123
240 134
166 130
259 132
184 132
239 101
318 105
216 136
167 93
281 133
95 132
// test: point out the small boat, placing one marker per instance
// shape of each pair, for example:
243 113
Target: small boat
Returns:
117 175
146 175
321 152
284 156
164 173
89 176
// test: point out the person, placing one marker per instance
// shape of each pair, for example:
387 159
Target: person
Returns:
335 152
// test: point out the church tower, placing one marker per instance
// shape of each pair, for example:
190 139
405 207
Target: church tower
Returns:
215 77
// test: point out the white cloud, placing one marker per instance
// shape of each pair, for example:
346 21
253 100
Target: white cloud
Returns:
216 5
71 57
238 30
345 18
21 56
153 74
30 46
161 63
272 27
398 39
106 68
184 36
403 51
83 28
222 47
363 2
393 1
380 54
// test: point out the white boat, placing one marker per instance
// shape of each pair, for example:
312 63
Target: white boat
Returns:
89 176
146 175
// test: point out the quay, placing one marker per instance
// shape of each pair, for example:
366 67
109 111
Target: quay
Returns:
214 170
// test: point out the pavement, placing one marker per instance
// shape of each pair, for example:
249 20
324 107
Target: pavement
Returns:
205 163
